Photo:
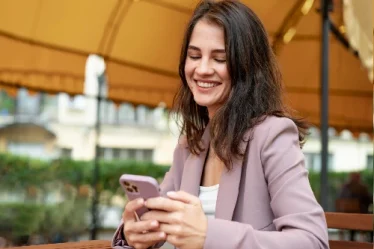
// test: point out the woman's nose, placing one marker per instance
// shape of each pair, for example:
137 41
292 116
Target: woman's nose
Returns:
204 68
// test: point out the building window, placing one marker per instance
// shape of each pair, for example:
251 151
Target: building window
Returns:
313 161
105 153
77 103
144 115
107 112
29 105
65 152
148 155
49 107
126 154
370 162
131 154
126 114
34 150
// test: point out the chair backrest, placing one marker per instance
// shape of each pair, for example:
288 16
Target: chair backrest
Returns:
346 205
90 244
350 221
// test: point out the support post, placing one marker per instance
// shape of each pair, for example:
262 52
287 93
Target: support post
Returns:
325 5
96 168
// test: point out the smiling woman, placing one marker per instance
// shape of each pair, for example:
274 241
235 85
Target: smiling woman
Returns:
206 69
238 178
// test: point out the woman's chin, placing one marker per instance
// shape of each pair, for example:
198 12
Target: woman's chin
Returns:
203 103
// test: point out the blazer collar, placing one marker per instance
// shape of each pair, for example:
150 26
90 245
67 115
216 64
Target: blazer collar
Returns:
229 183
193 167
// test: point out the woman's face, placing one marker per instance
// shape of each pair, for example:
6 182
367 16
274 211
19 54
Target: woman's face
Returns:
206 67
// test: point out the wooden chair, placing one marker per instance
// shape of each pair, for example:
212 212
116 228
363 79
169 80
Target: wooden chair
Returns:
90 244
345 205
350 221
362 222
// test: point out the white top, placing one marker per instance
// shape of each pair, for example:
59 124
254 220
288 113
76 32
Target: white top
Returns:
208 198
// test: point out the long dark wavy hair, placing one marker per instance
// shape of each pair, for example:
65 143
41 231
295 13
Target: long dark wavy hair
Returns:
256 82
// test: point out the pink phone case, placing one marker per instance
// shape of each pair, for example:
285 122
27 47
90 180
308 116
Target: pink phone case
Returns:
136 186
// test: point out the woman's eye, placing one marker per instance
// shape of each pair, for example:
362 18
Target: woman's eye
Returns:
220 60
194 57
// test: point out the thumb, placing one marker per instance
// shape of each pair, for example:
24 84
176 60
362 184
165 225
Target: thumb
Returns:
183 197
131 207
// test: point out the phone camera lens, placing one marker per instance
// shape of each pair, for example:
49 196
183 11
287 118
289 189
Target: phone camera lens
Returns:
135 188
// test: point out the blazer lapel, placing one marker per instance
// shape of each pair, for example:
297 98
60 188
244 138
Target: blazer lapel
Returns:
193 167
229 187
229 182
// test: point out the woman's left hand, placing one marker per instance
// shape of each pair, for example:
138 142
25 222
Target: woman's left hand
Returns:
181 217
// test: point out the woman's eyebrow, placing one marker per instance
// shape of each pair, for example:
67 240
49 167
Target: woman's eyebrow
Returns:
191 47
220 51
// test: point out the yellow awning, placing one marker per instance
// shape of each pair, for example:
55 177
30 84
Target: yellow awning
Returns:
44 46
358 20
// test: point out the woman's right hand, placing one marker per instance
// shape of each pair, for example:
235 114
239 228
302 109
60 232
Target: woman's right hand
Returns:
140 234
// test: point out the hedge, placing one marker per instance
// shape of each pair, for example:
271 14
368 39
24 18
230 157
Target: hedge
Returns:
21 173
29 176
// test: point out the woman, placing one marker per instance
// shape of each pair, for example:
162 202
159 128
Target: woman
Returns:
238 178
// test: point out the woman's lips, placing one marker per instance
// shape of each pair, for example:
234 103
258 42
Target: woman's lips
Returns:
207 84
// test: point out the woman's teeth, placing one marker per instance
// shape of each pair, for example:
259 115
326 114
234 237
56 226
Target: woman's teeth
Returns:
206 85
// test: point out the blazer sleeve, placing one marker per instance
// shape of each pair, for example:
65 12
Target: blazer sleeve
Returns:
299 219
119 240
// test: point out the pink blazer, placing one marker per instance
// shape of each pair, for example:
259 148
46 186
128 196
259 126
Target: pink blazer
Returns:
264 202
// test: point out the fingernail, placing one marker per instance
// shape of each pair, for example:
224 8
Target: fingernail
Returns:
140 201
154 223
172 193
162 235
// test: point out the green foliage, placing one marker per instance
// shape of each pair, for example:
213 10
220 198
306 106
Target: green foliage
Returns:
335 183
7 103
110 171
72 179
33 180
18 219
66 218
21 172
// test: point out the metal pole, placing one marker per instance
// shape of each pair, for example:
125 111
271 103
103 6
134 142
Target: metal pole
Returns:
324 102
96 168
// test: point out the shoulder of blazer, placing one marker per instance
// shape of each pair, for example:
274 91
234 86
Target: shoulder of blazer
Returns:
182 141
261 130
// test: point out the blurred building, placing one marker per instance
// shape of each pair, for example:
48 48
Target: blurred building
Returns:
346 151
47 127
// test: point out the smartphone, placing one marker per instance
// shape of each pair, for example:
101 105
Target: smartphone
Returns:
137 186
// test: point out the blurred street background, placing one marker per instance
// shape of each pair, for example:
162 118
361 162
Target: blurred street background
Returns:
86 89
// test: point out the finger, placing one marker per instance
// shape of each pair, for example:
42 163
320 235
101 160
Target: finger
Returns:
141 226
164 204
152 215
174 240
160 216
130 208
147 239
169 229
183 197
